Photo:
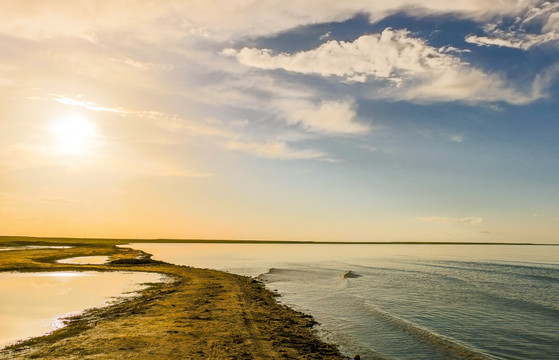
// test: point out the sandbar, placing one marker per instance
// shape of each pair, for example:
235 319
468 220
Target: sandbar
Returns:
201 314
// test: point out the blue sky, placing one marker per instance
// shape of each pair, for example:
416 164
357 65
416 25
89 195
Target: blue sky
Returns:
391 121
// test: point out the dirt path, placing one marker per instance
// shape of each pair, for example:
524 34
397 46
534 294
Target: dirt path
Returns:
203 314
261 349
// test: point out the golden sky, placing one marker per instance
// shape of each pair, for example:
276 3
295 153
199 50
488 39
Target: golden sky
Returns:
294 120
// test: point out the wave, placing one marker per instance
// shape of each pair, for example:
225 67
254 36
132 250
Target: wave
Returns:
533 271
441 342
271 271
275 271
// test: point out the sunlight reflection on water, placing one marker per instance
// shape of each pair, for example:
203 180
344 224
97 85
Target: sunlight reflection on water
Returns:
32 304
85 260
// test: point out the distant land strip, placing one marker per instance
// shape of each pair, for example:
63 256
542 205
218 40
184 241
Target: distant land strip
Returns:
7 238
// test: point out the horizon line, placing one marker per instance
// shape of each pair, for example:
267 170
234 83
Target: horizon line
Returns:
260 241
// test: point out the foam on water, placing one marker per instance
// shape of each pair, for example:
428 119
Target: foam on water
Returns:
445 344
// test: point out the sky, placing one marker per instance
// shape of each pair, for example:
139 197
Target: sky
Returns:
280 120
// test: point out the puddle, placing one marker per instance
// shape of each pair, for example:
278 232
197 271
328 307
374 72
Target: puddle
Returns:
85 260
33 304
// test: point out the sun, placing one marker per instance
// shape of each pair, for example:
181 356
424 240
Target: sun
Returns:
73 134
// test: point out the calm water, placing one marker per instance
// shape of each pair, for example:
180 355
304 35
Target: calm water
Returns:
33 304
406 301
85 260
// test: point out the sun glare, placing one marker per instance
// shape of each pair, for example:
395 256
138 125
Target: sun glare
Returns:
73 134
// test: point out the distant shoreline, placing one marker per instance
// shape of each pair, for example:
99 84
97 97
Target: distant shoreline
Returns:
28 239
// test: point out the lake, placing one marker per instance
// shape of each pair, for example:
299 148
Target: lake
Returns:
406 301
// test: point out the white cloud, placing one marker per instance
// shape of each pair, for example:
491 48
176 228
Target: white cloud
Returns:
543 15
93 48
514 39
390 55
275 150
220 20
451 49
329 117
456 138
450 220
418 70
467 84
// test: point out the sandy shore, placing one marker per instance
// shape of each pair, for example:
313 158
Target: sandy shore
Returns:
201 314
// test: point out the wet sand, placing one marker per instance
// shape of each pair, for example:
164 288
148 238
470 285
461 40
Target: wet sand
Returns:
202 314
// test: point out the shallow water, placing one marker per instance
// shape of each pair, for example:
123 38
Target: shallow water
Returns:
85 260
33 304
406 301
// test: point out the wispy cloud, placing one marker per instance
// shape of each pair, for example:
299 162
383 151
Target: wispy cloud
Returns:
58 200
167 121
276 150
369 148
223 20
142 64
162 169
455 138
513 39
88 105
451 220
329 117
521 34
325 35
